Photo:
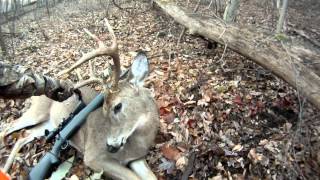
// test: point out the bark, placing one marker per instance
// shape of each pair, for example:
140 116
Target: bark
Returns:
2 43
282 16
278 3
231 11
287 61
47 7
184 28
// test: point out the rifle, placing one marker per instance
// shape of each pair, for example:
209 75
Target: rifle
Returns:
64 133
50 159
50 135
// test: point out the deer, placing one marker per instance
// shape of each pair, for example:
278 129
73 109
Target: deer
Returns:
115 137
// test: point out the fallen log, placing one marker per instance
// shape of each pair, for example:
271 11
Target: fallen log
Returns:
286 59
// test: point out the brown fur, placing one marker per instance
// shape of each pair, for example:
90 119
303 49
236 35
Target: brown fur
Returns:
102 124
114 136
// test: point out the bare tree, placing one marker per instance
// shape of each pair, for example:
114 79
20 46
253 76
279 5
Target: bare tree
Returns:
16 7
282 16
36 18
2 43
47 7
231 10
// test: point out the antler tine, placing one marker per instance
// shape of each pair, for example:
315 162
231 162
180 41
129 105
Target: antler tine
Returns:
115 56
102 50
93 78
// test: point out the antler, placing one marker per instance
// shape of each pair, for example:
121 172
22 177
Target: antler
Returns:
111 51
93 78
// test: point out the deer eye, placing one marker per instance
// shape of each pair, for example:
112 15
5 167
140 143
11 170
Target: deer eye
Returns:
117 108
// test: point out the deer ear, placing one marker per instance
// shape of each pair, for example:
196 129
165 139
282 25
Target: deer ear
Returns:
139 70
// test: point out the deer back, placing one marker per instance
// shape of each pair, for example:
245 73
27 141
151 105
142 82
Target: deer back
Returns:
37 113
62 110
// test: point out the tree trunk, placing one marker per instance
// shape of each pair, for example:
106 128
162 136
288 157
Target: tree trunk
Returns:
2 43
285 59
47 7
282 16
230 12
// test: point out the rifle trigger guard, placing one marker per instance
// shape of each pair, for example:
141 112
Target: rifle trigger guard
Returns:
78 93
65 145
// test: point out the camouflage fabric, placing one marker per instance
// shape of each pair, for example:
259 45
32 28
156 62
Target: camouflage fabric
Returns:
21 82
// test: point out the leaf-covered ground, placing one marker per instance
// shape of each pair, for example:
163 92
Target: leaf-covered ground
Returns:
221 115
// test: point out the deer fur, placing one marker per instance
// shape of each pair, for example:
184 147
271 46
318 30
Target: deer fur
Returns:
135 127
129 130
118 134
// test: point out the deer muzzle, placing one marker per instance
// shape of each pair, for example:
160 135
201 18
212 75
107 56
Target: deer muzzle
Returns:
113 149
115 146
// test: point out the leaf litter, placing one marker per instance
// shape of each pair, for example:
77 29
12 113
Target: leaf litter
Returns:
237 123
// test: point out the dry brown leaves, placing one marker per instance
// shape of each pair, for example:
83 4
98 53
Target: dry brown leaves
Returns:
237 118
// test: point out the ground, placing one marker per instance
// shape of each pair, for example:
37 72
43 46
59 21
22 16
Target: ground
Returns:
221 115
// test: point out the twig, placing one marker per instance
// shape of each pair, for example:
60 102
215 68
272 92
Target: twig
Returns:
224 30
222 56
152 56
181 34
16 148
119 7
301 102
169 64
11 33
209 6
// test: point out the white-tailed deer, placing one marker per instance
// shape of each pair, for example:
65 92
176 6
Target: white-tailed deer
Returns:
119 133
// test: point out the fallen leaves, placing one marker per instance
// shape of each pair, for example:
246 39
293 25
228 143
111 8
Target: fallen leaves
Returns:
181 162
62 170
238 100
237 147
170 152
257 157
217 107
169 117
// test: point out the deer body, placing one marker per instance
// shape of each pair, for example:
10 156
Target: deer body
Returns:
119 133
139 112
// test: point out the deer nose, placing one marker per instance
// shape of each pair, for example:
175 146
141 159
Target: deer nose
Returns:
113 149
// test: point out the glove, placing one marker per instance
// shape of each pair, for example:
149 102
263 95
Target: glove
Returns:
61 91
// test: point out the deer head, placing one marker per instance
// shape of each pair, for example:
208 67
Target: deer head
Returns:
126 106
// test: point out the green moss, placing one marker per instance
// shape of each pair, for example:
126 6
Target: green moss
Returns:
281 37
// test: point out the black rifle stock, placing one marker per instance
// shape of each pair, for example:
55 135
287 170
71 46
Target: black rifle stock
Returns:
41 170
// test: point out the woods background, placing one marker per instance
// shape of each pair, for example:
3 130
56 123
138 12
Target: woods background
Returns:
238 88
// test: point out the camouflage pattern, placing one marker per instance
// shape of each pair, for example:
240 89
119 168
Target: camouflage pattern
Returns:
21 82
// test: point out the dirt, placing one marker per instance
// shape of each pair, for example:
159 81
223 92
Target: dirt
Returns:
237 119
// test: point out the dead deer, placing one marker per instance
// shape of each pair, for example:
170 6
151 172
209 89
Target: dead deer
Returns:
118 134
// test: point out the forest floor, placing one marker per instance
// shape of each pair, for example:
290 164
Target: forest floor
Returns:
222 116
